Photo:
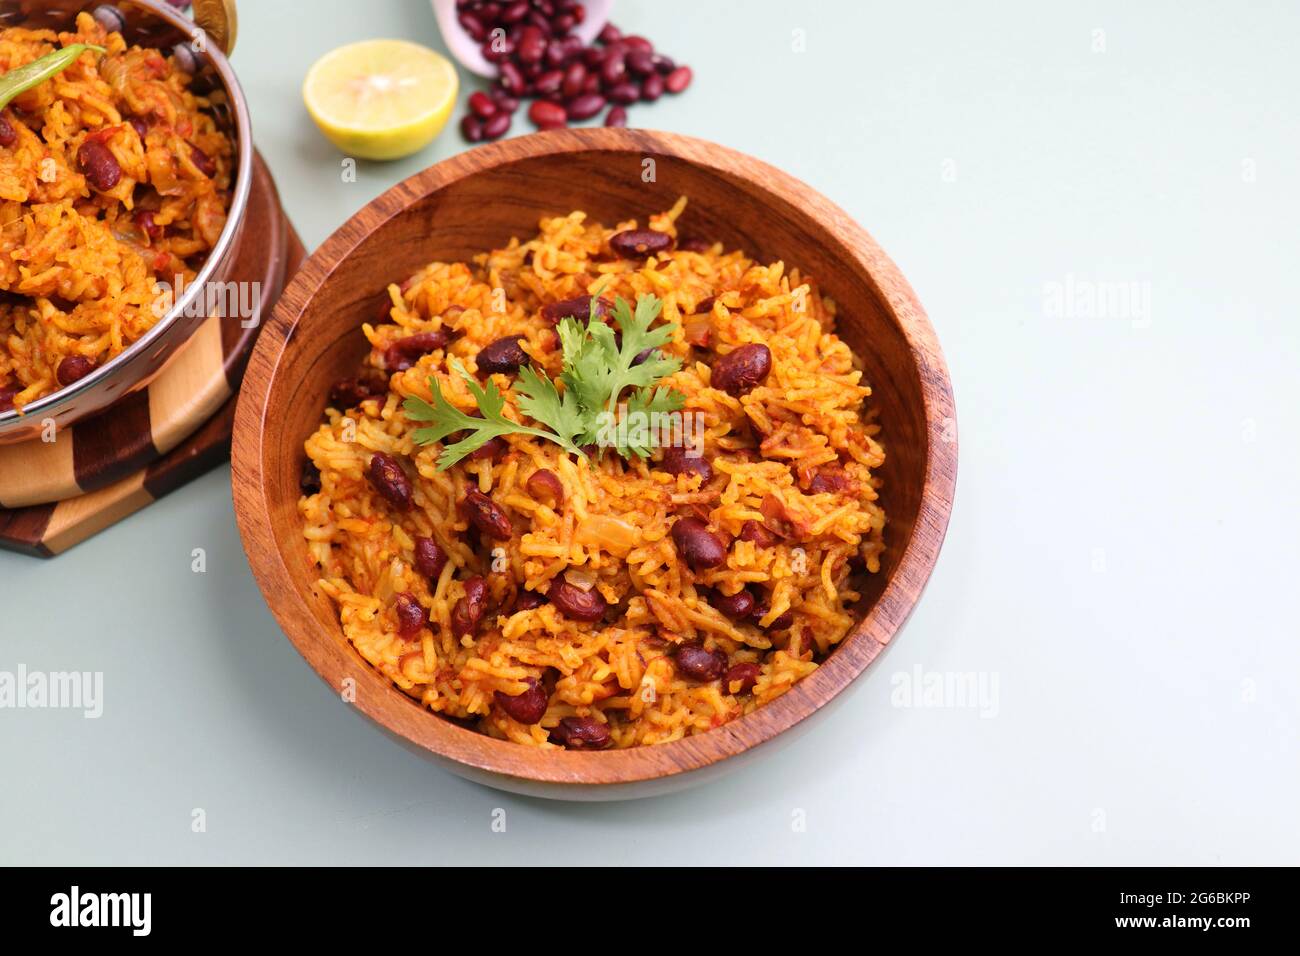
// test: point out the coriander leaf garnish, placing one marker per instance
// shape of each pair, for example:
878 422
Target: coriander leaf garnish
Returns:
447 418
23 78
598 368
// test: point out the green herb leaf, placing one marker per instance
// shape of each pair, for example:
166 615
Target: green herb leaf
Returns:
597 370
35 73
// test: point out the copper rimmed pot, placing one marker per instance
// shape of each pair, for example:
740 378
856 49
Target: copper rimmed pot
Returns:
154 24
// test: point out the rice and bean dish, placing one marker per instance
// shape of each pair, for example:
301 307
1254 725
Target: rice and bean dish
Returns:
114 180
511 561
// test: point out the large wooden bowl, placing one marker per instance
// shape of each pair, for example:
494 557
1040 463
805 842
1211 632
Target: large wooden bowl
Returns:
477 201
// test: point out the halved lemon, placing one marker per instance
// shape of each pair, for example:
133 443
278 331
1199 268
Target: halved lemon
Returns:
380 99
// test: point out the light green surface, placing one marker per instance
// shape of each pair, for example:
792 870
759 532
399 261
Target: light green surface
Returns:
1121 560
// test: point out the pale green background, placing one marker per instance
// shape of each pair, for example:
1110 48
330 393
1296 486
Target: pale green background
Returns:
1124 551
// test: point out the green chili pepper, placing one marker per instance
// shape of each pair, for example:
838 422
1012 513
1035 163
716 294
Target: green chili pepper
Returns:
39 70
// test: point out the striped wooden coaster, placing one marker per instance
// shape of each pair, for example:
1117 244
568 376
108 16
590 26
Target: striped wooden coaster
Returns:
56 494
149 423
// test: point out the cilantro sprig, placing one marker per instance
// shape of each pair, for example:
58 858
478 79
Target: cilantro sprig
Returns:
598 368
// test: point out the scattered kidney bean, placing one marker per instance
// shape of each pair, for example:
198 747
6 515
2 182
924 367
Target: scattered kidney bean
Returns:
144 219
833 481
482 105
390 480
497 126
528 707
7 395
473 26
430 559
547 115
405 352
699 547
574 77
742 368
531 46
696 663
309 477
469 610
349 392
754 531
528 601
505 355
761 607
745 675
638 44
8 135
572 601
511 80
98 165
410 614
678 79
623 93
504 101
73 368
584 106
617 116
549 82
581 733
678 461
695 244
578 308
544 483
640 62
202 161
140 126
652 87
639 243
486 515
736 606
806 643
609 34
471 127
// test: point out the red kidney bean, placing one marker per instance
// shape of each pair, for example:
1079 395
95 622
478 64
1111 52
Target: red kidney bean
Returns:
511 80
539 22
592 83
8 135
74 368
349 392
623 93
678 79
7 395
473 26
754 531
469 610
549 82
514 12
528 601
544 483
547 115
679 460
699 547
430 559
609 34
696 663
98 165
585 106
741 369
639 243
640 44
574 77
564 22
309 477
471 127
736 606
528 707
617 116
593 57
486 515
411 616
652 87
746 675
504 101
144 219
698 245
505 355
482 105
494 448
390 480
140 126
532 44
572 601
405 352
581 733
640 62
579 307
497 126
614 66
664 64
202 161
762 606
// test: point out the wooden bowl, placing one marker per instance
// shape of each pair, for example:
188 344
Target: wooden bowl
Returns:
477 201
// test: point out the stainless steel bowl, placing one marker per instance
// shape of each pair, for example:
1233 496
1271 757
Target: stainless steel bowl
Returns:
147 23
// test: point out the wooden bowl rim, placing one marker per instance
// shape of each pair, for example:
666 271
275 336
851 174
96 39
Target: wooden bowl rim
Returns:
382 701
